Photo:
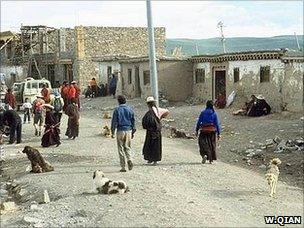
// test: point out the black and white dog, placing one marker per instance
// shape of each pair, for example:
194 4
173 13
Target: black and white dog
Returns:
106 186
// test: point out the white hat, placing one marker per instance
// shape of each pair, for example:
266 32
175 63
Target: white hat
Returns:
260 96
40 96
48 106
150 99
73 82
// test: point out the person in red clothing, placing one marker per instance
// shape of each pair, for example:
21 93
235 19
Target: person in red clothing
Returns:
64 94
45 92
10 99
78 92
72 93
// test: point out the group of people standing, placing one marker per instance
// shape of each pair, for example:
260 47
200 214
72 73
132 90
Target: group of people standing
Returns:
47 112
95 90
123 125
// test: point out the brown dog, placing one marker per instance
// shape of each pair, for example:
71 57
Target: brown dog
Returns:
37 162
174 133
106 132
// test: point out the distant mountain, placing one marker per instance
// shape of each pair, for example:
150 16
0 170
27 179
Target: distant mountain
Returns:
237 44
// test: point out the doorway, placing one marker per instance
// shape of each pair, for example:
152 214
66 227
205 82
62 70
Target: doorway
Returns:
137 82
219 84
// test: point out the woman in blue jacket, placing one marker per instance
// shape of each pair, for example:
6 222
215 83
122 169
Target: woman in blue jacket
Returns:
208 127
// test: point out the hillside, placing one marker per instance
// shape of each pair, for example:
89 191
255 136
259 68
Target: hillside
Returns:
213 45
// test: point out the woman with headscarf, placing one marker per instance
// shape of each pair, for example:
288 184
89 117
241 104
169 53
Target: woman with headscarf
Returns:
208 126
73 121
152 149
51 132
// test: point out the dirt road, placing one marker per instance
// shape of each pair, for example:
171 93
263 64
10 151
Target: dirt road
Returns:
180 191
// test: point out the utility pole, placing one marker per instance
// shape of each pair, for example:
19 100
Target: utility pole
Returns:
220 25
196 48
153 68
297 41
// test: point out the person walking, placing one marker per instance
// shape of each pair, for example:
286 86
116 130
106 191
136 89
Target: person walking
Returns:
57 102
208 126
13 120
73 122
123 122
152 149
51 132
27 106
112 86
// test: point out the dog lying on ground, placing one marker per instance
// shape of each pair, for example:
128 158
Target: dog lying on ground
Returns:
106 186
174 133
272 175
106 131
106 115
38 164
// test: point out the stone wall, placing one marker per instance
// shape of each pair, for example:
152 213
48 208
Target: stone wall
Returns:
131 41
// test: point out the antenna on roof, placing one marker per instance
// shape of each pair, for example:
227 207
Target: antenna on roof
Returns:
220 25
297 41
196 48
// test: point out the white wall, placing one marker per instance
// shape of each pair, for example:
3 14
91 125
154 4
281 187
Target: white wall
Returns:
20 72
103 67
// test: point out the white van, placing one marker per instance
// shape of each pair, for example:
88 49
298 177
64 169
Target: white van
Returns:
30 88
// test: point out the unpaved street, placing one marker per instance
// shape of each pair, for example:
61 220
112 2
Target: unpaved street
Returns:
180 191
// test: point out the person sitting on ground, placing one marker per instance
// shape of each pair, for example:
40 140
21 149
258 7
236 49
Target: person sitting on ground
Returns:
88 92
51 132
260 108
94 87
220 101
247 107
10 98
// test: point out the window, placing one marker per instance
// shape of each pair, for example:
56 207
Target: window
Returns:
200 75
34 85
130 76
264 74
28 85
146 77
236 74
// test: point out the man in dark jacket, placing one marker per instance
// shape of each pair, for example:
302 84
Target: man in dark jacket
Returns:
13 120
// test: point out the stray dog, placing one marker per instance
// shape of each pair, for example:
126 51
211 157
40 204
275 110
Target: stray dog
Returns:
106 186
174 133
37 162
106 131
106 115
272 175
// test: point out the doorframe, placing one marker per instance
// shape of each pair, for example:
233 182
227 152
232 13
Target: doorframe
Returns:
214 69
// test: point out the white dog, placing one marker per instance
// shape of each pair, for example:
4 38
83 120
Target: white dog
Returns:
272 175
106 186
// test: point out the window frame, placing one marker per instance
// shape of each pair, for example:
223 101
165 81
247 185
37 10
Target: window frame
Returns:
145 81
236 69
202 77
130 72
264 70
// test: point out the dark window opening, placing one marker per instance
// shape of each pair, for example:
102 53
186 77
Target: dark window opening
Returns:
146 77
130 76
265 74
236 74
200 76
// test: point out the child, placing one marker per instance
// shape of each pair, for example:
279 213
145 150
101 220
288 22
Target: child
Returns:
27 110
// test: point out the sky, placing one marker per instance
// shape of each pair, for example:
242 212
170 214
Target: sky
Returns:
182 19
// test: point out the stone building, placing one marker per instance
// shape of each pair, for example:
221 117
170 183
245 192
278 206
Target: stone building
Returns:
80 53
277 75
174 78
